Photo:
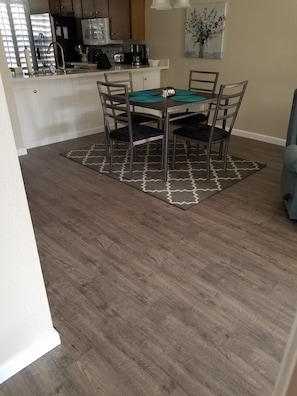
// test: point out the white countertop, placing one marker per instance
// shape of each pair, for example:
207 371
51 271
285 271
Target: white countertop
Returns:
80 71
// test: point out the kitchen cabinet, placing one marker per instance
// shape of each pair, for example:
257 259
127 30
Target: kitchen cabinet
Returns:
60 6
77 8
94 8
147 80
127 19
45 110
137 19
56 108
38 7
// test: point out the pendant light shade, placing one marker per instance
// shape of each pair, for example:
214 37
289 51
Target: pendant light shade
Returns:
161 5
182 4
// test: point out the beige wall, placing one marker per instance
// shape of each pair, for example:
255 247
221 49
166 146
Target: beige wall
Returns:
259 45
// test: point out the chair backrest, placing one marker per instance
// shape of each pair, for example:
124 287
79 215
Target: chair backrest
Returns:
229 100
203 81
114 99
120 78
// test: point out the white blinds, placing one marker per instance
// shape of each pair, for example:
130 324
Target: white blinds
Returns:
18 31
14 31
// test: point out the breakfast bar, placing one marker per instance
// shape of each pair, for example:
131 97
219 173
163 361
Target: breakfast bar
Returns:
57 107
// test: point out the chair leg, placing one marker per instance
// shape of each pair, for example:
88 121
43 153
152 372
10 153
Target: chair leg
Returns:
188 148
226 145
131 161
221 149
107 145
197 152
162 153
173 154
111 157
208 162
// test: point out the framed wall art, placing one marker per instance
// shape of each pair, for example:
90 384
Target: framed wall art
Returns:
204 31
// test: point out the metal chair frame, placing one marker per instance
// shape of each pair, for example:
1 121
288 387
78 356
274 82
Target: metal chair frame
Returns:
126 78
202 82
118 123
219 131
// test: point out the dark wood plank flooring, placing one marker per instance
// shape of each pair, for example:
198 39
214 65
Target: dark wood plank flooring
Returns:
152 300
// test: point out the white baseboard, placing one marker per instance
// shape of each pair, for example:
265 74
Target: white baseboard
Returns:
259 137
78 134
21 151
62 137
29 355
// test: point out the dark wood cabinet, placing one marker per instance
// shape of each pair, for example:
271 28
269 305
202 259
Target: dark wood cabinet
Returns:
60 6
137 19
94 8
127 19
119 14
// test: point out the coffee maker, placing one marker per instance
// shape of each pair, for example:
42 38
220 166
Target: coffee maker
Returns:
138 52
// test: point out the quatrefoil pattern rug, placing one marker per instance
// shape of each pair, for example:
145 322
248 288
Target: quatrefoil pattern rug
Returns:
186 185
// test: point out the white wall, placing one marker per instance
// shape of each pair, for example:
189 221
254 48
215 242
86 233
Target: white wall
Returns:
26 330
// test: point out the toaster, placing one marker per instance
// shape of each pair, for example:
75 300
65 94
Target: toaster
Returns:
119 57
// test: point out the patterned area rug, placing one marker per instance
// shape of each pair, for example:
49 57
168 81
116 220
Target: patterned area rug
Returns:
187 185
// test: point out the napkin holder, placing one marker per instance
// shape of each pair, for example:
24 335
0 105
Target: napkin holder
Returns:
167 92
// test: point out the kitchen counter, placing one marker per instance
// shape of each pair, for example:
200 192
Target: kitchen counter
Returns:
80 71
57 107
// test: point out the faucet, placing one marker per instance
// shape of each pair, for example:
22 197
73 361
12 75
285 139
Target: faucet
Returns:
62 66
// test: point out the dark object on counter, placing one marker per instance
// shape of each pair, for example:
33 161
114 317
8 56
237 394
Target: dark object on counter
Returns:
128 58
139 54
102 61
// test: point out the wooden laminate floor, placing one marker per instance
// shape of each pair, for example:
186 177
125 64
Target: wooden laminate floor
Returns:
152 300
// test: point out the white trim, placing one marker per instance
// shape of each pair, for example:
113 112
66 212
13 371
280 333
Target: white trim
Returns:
62 138
259 137
92 131
29 355
22 151
288 364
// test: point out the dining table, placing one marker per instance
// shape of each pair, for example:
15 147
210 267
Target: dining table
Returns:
179 101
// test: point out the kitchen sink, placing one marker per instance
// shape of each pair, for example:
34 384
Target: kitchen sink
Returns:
58 72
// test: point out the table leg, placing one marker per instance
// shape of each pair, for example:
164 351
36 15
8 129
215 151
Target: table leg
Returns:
166 144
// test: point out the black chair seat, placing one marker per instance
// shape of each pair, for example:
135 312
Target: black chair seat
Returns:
193 119
140 133
141 118
201 133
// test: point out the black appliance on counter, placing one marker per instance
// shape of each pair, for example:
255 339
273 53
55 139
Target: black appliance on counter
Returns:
137 55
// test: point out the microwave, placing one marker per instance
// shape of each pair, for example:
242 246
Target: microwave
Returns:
96 32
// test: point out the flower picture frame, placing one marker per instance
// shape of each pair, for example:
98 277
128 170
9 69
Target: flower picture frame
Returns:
204 30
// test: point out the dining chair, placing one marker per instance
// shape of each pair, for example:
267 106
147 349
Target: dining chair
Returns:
118 124
219 130
202 82
138 117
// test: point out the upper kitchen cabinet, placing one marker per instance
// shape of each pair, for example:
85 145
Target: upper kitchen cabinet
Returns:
94 8
38 6
60 6
127 19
